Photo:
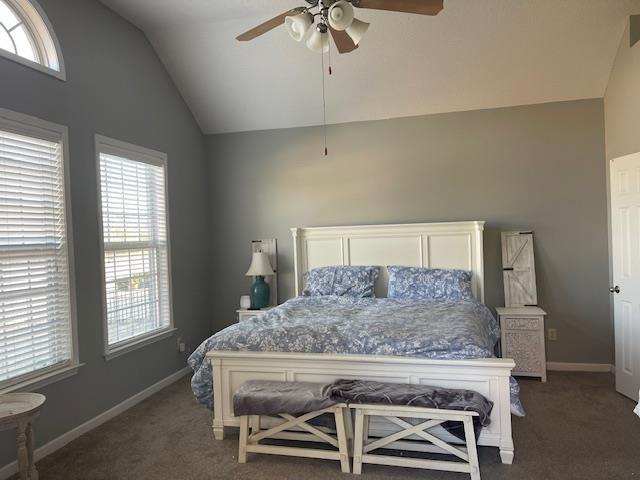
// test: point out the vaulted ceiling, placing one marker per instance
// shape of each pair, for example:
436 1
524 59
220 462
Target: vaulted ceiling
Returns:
475 54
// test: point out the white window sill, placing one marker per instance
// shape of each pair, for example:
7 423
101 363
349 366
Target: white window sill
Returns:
135 344
40 381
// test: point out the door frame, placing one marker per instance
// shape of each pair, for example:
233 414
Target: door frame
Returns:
609 168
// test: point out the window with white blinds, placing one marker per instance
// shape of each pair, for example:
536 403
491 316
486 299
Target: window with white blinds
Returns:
36 328
134 232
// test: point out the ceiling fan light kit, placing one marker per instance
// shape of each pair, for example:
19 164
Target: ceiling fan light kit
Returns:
357 29
298 25
341 15
318 41
337 18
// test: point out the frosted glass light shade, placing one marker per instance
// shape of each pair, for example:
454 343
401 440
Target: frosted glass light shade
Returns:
318 42
341 15
298 25
260 265
357 30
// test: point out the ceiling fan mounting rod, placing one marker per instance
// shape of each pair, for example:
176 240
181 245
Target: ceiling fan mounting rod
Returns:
324 5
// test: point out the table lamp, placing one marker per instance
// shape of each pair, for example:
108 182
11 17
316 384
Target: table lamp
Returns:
259 268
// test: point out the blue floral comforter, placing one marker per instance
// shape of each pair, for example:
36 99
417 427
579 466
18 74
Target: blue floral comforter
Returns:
372 326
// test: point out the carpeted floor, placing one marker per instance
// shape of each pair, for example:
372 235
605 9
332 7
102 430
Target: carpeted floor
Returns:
577 427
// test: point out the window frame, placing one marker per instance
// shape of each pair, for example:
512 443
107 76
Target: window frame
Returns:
136 153
21 8
34 127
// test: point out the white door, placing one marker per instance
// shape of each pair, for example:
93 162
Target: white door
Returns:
625 235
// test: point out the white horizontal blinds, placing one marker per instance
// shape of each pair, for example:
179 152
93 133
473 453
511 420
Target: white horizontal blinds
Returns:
35 318
135 247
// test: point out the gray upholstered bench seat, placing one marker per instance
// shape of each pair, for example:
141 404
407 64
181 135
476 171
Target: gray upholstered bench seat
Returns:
264 397
296 403
415 395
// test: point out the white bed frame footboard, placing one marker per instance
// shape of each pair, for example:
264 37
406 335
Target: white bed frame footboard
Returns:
489 377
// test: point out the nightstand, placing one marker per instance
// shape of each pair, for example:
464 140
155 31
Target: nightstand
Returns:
246 314
523 340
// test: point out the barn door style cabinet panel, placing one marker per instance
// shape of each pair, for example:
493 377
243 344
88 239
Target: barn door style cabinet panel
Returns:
519 271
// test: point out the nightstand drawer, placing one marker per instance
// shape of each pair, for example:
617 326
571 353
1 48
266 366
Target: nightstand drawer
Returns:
244 314
521 323
247 315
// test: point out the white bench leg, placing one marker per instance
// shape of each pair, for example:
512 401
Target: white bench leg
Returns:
365 430
255 424
343 446
358 442
472 450
348 425
244 436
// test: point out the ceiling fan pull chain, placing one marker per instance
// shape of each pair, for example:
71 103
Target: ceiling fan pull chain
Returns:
324 108
330 71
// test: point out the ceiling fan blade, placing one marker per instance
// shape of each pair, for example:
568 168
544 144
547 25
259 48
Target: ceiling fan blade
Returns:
421 7
343 42
268 25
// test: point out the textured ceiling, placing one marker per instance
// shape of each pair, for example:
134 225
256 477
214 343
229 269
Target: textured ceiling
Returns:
473 55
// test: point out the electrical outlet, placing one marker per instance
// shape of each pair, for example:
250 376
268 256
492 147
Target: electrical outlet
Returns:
181 346
552 334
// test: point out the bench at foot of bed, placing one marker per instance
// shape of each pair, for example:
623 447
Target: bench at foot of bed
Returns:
363 447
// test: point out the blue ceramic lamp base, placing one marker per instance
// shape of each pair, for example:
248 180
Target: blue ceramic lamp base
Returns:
259 293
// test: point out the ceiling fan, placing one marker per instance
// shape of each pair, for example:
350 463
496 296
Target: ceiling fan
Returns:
336 17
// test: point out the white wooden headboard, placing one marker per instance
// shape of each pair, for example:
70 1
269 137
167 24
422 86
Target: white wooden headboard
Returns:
434 245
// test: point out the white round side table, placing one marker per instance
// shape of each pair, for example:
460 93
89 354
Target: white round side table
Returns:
18 410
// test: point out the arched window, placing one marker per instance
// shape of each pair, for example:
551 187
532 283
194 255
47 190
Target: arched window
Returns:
26 36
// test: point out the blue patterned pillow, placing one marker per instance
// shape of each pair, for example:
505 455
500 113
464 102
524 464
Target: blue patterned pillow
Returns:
429 283
344 281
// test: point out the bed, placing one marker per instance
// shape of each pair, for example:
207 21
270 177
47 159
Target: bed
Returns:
320 340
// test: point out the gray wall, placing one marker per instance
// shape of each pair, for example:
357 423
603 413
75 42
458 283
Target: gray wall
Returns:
117 87
622 101
537 167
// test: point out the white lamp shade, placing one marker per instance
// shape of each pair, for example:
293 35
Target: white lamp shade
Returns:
357 30
318 42
341 15
260 265
298 25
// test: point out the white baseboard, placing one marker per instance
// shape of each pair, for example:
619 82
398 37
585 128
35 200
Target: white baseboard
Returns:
580 367
59 442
